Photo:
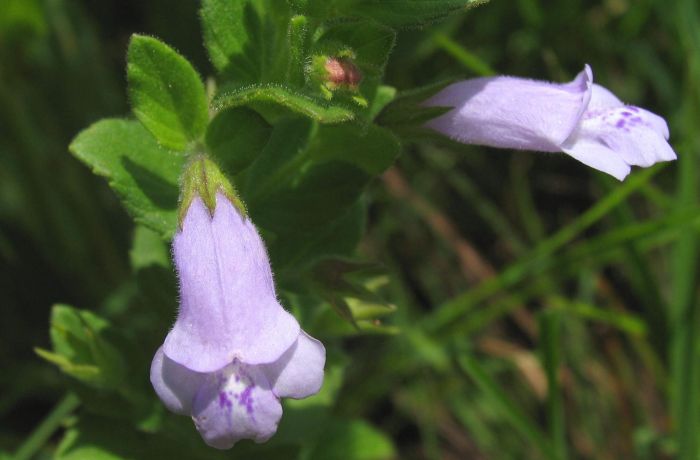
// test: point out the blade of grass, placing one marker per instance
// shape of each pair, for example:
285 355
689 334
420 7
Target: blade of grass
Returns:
507 408
454 309
469 60
639 269
550 347
685 317
523 199
483 206
626 322
591 254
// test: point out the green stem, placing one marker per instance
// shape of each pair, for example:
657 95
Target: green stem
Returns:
47 427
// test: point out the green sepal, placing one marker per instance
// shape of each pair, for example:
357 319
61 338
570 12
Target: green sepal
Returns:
406 116
203 178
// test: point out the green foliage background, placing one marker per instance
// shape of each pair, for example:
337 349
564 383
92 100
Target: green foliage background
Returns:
475 303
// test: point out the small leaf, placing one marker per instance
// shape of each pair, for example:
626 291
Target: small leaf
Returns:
313 8
373 149
247 39
353 289
405 13
276 96
87 373
148 249
142 173
150 261
166 93
298 189
356 439
336 239
98 438
83 348
236 137
382 98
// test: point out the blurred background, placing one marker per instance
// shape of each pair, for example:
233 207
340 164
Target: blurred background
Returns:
558 307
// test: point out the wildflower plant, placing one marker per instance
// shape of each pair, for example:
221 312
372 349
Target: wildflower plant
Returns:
248 192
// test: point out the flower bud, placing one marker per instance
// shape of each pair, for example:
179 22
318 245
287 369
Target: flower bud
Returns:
336 73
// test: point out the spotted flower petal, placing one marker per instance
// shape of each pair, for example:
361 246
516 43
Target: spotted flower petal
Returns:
579 118
236 403
612 136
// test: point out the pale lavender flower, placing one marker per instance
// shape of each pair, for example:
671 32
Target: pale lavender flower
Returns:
580 118
233 351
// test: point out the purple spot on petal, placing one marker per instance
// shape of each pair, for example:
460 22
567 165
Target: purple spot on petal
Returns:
626 114
224 401
636 119
620 123
246 399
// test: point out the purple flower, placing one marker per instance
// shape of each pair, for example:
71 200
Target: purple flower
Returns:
580 118
233 351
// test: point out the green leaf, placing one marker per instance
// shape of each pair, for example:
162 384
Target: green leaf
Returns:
507 409
148 249
142 173
83 348
87 373
269 99
338 238
236 137
21 20
94 438
372 149
353 290
405 13
355 439
382 98
299 189
314 8
247 39
150 261
321 193
166 93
